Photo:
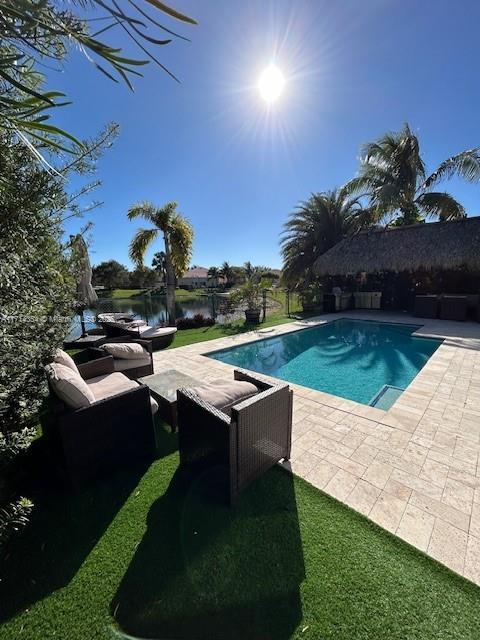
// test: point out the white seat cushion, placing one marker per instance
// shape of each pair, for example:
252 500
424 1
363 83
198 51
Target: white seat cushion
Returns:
69 386
225 395
126 350
154 332
62 357
135 324
125 364
112 384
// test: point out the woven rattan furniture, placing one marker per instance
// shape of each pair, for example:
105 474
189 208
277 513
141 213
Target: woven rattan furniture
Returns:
426 306
112 323
106 435
453 307
125 366
163 387
93 338
116 325
252 439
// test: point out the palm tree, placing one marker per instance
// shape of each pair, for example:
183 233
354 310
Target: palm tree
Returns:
159 264
317 224
249 270
393 176
226 271
178 238
213 274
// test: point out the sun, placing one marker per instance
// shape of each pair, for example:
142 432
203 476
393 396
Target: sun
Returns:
271 83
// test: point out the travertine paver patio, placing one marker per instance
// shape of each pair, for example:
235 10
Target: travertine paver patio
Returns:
413 469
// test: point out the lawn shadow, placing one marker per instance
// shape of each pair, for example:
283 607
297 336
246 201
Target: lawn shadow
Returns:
65 526
207 571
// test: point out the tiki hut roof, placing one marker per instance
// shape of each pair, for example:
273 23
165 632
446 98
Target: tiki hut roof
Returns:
437 245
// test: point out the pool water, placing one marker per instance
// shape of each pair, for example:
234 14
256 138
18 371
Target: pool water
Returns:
369 362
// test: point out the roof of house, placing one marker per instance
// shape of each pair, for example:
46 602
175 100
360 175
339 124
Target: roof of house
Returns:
196 272
437 245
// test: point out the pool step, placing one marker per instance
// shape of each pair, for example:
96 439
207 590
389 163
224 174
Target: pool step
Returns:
387 395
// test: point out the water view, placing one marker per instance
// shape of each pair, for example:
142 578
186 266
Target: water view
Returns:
153 310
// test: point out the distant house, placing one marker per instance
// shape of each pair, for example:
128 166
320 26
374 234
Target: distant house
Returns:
197 277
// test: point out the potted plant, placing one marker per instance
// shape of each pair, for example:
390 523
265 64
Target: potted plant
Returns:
250 294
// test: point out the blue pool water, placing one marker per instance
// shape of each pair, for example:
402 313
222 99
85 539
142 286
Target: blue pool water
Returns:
369 362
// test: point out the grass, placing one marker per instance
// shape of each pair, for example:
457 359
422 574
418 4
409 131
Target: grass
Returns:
274 317
121 293
203 334
135 293
143 554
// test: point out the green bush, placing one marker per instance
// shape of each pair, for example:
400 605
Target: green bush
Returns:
36 286
13 518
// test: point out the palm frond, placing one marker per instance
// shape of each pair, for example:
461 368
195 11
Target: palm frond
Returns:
141 241
145 210
440 205
315 226
181 243
164 215
466 165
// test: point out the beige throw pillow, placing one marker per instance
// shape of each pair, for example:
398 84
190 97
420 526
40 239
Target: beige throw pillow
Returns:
62 357
126 350
69 386
225 395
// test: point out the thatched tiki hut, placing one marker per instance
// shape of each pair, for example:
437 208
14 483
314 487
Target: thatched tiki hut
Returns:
439 257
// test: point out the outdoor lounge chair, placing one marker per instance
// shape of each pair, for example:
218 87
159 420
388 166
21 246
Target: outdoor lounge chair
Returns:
132 367
247 438
115 326
113 427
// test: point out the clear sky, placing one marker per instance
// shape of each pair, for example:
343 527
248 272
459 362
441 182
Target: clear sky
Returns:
353 70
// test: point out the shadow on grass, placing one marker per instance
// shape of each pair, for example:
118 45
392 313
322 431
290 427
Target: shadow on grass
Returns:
205 571
65 526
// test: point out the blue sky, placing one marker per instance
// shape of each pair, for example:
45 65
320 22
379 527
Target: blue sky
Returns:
353 70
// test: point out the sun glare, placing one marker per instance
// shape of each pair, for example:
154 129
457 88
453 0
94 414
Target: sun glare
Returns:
271 83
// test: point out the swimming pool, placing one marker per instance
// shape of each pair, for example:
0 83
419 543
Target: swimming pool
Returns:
369 362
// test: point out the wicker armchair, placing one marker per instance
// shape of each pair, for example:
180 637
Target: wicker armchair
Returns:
123 365
108 434
256 436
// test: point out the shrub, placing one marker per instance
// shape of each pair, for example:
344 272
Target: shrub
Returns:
13 518
198 320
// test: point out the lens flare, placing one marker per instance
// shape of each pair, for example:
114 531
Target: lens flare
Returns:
271 83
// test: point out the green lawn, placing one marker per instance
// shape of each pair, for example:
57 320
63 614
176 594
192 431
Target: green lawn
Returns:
145 555
134 293
190 336
120 293
274 317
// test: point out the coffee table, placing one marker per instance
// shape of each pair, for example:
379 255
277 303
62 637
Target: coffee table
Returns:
163 387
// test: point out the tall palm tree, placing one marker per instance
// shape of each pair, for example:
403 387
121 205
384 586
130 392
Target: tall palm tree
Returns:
226 271
213 274
177 235
316 225
393 176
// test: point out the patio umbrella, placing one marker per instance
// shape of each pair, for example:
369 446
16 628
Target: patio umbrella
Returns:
86 295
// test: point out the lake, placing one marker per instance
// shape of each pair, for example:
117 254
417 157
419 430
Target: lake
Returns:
153 310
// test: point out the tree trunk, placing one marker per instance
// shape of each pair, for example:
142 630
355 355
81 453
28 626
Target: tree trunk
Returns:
170 283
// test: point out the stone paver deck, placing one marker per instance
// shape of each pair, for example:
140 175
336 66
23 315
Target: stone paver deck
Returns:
414 469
